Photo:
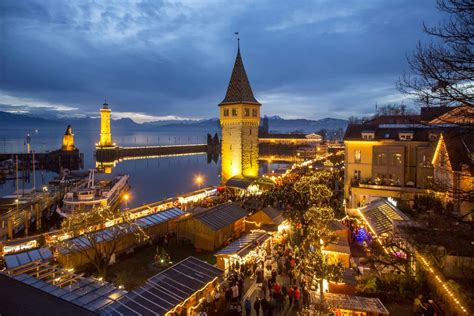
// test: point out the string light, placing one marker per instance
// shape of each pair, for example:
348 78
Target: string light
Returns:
427 265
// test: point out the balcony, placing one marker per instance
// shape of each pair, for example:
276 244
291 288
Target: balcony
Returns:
385 184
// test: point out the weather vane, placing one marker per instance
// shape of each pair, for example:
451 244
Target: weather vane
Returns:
238 38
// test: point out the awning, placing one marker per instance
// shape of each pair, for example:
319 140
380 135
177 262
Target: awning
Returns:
380 215
244 244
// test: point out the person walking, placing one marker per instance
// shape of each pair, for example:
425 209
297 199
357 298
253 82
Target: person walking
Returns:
256 305
264 305
284 293
248 306
291 293
297 295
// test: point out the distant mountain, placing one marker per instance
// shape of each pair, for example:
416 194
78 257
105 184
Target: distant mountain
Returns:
276 124
279 125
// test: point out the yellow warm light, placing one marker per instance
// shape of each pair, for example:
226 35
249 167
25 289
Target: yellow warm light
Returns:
199 179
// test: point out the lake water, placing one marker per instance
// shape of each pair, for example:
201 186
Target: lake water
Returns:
150 179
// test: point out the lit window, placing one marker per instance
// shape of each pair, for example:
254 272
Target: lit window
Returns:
381 159
357 174
368 135
405 136
234 112
357 156
226 112
397 160
247 112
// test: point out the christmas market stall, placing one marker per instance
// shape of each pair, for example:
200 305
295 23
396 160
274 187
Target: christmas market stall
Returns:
71 253
179 290
209 229
268 218
339 249
250 247
347 305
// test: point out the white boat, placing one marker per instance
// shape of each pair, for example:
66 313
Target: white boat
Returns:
104 193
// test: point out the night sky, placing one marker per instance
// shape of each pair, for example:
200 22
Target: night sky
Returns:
156 60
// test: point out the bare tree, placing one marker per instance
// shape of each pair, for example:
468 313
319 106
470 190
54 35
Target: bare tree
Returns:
98 246
443 71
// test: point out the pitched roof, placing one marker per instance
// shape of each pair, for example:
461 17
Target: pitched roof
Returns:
275 214
245 244
429 113
335 225
460 147
222 215
14 293
387 131
239 90
167 289
381 216
356 303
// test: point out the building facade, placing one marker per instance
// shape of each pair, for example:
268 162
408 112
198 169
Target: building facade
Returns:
240 119
394 156
105 134
387 161
453 164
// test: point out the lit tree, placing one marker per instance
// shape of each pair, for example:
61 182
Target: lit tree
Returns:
314 265
99 245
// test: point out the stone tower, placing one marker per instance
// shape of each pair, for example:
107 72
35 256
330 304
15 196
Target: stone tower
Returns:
239 119
105 135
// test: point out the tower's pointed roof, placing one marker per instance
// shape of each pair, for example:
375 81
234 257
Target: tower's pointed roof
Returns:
239 90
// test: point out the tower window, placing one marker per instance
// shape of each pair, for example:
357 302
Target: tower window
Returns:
254 112
250 134
226 112
234 112
247 112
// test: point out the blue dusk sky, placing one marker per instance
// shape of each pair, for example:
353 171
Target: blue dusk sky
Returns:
156 60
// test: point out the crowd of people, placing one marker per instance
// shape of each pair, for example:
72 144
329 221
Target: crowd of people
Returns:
276 290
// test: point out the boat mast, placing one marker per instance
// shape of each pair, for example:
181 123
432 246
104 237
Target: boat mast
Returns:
17 197
34 174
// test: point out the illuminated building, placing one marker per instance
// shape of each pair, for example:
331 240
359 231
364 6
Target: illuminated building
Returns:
453 163
385 160
392 156
105 134
240 120
291 139
68 140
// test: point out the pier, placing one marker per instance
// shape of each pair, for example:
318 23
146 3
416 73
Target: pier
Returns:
53 161
105 154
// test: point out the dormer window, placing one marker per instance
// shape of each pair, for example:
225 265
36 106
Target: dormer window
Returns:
405 135
368 135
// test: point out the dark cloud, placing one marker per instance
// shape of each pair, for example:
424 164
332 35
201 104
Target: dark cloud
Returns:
317 59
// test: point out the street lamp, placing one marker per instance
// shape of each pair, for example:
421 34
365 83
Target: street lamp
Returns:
126 197
199 180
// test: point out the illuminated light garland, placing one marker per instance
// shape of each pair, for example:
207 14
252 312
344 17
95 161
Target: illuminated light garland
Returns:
441 282
181 305
427 265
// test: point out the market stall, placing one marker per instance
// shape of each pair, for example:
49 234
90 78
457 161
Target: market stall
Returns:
251 247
